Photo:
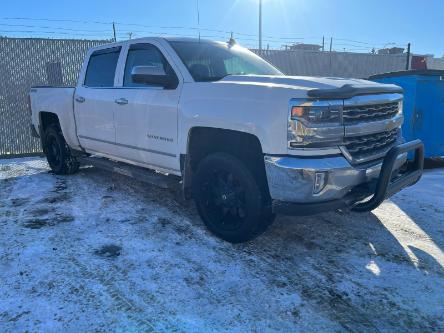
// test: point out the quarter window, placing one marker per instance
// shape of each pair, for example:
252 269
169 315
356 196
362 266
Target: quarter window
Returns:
102 68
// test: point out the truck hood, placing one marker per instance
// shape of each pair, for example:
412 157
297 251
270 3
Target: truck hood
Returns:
317 87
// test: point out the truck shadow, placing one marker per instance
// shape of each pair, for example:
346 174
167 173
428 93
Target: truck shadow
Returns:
332 235
361 271
427 217
366 235
355 269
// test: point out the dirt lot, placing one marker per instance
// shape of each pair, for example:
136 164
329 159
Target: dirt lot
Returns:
97 252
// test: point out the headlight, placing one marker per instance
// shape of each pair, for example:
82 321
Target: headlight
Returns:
317 114
315 123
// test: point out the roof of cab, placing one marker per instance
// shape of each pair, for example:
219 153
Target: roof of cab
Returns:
169 39
147 39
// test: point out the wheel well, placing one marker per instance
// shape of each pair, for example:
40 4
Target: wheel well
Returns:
203 141
48 118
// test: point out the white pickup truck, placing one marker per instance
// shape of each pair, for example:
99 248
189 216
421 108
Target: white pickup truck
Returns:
244 140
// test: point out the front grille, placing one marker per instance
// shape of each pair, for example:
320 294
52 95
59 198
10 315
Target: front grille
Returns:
365 113
366 147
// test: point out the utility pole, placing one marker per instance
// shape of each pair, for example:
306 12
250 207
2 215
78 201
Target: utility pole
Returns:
198 17
260 26
114 32
329 55
323 44
407 65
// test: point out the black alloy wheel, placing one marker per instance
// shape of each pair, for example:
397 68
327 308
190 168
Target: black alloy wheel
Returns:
57 152
228 198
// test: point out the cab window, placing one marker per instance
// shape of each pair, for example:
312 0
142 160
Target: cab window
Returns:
102 68
144 55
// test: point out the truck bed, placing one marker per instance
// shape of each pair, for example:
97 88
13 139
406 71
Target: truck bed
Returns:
57 100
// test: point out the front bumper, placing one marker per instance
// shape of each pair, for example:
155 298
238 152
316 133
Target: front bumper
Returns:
291 181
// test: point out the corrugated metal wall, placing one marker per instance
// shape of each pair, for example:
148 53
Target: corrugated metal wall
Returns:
340 64
28 62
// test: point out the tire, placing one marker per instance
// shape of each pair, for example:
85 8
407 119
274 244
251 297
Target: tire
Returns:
229 199
57 152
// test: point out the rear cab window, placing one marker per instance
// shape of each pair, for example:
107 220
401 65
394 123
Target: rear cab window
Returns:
101 68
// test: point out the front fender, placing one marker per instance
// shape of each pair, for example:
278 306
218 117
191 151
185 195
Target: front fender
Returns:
258 110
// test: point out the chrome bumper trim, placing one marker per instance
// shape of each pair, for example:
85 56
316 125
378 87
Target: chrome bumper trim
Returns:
315 151
291 179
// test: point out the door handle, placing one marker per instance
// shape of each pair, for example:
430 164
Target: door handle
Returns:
80 99
121 101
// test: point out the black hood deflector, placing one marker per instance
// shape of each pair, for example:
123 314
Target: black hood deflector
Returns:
349 90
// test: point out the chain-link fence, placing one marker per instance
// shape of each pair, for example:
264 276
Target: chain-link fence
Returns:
24 63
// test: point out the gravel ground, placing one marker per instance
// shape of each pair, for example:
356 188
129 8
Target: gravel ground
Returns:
98 252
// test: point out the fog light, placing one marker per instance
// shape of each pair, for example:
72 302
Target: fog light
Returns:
319 182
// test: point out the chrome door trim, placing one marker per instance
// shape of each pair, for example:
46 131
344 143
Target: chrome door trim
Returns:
128 146
142 164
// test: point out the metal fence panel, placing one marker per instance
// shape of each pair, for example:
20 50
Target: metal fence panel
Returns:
340 64
435 63
26 62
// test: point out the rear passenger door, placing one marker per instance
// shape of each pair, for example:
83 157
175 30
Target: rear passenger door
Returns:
94 102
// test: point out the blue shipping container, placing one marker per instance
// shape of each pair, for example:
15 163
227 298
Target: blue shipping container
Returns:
423 106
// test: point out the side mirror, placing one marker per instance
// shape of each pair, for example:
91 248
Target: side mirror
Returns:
152 75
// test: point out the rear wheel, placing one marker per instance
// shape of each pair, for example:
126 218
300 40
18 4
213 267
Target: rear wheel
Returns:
57 152
229 199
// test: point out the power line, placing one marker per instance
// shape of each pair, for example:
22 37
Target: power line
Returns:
47 32
49 27
142 25
244 37
368 43
53 20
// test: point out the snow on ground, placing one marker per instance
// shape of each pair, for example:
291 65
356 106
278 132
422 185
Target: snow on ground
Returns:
98 252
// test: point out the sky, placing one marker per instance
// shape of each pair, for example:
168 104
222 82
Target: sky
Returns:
354 25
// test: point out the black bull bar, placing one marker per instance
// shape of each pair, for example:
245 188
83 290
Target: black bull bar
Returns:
388 184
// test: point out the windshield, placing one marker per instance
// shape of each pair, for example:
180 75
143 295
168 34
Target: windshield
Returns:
213 61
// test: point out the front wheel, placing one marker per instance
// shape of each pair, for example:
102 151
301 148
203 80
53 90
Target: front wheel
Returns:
57 152
229 199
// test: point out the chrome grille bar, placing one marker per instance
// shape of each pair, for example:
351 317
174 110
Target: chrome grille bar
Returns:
370 112
371 126
366 147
